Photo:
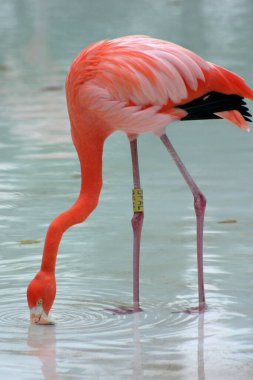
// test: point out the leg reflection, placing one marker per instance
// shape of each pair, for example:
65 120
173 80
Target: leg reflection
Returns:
137 354
201 358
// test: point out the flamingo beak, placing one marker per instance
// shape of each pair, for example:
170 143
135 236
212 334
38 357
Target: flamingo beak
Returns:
39 317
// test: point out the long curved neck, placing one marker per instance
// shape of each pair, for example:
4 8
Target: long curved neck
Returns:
90 156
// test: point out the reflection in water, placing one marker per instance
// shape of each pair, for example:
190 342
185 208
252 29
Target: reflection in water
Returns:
137 354
201 338
138 370
36 51
42 341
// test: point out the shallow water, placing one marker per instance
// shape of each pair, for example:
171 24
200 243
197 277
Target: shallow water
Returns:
39 177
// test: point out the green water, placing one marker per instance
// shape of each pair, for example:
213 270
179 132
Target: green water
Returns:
39 177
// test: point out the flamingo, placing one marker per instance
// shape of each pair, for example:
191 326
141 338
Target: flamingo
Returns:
135 84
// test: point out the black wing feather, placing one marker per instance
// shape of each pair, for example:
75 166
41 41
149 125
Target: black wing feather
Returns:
205 106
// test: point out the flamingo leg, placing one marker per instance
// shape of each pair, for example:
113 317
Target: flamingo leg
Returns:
137 222
199 206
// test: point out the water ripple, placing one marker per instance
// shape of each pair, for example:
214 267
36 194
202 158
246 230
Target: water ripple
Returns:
91 316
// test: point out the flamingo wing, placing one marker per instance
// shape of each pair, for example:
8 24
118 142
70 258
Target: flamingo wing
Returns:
137 83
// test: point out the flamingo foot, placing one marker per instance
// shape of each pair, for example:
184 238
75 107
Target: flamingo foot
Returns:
197 310
202 308
124 310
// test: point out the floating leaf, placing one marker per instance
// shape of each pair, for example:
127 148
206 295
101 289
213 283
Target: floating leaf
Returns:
76 175
227 221
29 241
3 67
52 88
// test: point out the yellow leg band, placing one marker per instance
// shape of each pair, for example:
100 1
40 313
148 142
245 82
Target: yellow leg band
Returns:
138 205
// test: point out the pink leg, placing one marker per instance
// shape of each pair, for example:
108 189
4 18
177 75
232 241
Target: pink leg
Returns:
137 222
199 205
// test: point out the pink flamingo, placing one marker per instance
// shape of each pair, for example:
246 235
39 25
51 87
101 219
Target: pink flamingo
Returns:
135 84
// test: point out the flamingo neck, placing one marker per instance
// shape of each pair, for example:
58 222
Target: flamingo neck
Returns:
90 156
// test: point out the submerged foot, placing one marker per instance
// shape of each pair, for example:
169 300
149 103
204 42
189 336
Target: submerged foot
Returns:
121 310
197 310
194 310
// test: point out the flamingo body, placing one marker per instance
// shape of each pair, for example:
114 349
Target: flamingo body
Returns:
135 84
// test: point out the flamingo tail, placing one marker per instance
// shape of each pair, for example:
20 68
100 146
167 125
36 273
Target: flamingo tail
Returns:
225 81
215 105
225 99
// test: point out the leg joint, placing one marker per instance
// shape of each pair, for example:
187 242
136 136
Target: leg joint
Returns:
199 203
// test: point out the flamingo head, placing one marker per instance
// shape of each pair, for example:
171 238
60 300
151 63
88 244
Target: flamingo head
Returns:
40 297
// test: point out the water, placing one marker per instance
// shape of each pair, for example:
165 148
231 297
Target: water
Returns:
39 175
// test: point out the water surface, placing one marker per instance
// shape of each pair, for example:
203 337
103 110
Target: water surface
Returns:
39 177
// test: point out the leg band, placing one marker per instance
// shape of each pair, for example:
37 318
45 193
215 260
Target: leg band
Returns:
138 205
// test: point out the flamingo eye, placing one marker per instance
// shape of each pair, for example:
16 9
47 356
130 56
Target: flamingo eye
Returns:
39 303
